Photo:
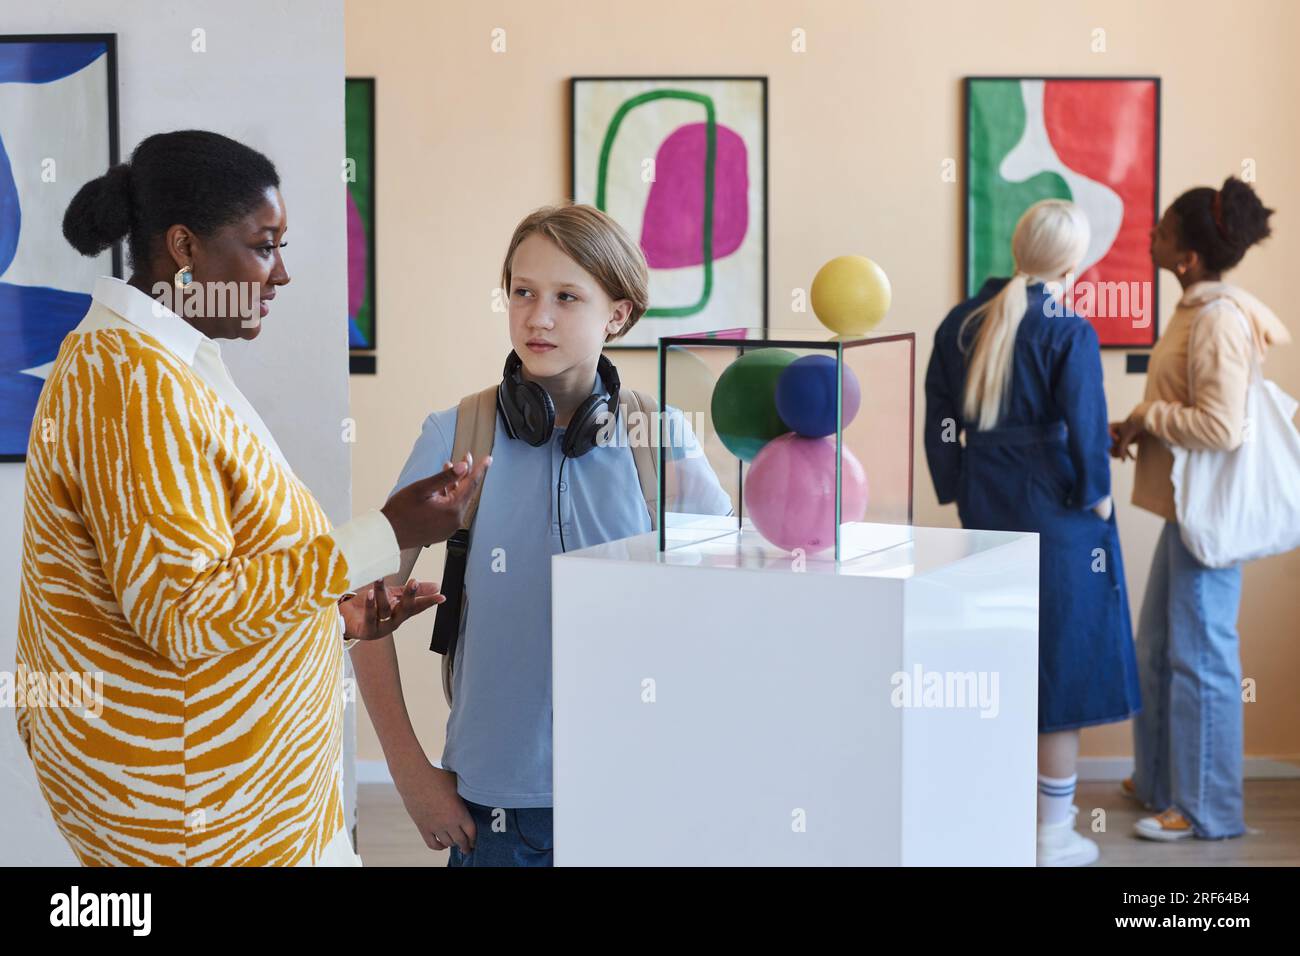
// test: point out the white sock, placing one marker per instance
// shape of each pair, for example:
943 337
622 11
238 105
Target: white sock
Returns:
1055 795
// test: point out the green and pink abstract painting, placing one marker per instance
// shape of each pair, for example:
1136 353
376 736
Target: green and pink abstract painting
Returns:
681 164
359 138
1094 141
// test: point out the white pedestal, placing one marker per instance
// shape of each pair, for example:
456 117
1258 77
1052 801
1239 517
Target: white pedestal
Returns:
713 706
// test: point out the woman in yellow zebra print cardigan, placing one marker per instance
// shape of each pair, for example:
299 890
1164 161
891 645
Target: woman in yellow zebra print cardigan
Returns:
168 546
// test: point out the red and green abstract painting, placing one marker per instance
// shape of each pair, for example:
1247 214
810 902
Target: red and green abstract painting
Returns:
359 136
681 164
1094 141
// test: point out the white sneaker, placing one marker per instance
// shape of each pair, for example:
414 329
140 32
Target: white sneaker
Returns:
1060 844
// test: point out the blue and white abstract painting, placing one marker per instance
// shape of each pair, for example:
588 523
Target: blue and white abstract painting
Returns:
57 119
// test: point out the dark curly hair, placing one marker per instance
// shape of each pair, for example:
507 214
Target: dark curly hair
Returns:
1220 225
193 177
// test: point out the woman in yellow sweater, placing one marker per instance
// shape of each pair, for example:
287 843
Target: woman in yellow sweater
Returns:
169 547
1188 737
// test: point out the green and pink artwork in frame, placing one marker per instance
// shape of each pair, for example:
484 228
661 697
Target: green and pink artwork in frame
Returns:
359 135
681 164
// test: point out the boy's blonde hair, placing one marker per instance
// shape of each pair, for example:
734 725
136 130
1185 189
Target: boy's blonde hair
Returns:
597 243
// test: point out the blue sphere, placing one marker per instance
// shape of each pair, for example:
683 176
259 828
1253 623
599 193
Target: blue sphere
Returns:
805 396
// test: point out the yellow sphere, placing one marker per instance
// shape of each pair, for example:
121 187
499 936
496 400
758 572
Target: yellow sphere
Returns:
851 295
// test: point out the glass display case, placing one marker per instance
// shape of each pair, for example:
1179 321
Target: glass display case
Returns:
809 434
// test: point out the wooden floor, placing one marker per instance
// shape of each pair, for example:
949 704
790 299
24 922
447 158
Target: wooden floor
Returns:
387 836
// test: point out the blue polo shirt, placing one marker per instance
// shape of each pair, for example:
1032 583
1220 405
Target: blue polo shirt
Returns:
499 732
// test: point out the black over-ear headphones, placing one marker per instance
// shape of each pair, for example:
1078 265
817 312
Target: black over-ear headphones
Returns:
529 413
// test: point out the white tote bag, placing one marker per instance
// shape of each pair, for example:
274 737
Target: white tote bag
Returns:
1238 505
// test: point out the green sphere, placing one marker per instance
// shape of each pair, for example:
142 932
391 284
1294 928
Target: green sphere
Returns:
744 402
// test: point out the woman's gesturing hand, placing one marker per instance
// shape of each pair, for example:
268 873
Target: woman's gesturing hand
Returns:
377 611
432 509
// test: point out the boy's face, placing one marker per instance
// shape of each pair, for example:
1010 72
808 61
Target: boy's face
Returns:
559 314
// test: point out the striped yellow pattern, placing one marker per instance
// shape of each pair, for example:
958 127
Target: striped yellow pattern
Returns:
166 548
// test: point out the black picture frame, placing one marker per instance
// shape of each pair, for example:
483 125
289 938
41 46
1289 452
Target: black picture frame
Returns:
966 181
685 78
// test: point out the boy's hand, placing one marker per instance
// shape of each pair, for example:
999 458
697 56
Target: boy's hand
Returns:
377 611
434 805
433 509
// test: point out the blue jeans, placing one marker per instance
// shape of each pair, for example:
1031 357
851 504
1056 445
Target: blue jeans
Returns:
508 837
1188 737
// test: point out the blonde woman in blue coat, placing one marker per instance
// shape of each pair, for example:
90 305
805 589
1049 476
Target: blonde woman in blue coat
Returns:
1019 374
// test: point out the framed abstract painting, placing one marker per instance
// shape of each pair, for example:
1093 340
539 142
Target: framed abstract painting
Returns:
359 135
1092 140
681 164
58 131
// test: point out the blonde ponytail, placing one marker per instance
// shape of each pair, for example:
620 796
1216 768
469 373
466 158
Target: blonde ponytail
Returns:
1050 239
989 370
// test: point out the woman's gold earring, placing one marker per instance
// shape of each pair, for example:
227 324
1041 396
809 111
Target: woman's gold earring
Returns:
184 276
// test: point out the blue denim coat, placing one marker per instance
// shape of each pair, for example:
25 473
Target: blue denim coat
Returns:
1041 469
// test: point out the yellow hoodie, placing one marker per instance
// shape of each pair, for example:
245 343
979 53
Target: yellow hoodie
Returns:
1196 383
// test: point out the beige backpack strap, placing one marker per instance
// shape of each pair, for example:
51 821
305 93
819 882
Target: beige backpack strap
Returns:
645 454
476 427
476 423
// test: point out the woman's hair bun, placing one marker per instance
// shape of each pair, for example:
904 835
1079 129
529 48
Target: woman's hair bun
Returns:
1244 216
100 213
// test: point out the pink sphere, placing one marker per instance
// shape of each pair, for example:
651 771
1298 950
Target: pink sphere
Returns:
790 492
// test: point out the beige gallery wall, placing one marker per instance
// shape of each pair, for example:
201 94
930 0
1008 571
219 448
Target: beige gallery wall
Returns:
469 140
